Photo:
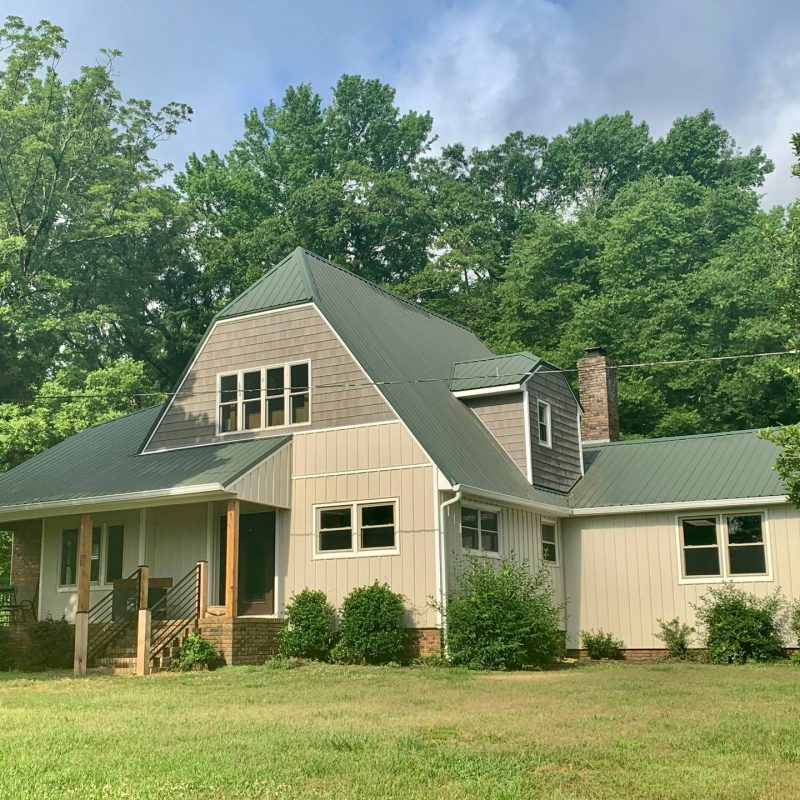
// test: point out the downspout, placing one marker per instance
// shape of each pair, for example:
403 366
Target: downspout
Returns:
443 560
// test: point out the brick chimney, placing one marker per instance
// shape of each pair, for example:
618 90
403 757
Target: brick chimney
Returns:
598 390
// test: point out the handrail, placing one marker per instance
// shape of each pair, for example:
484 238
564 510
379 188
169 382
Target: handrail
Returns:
104 629
175 611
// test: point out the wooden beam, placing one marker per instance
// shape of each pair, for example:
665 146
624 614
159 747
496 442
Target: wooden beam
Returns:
144 586
202 566
232 560
84 578
84 562
143 641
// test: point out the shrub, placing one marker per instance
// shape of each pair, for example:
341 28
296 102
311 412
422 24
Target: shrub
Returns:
308 629
371 629
197 653
675 635
602 644
34 646
501 616
794 621
740 627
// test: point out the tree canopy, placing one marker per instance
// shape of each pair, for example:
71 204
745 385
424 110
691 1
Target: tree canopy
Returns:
111 266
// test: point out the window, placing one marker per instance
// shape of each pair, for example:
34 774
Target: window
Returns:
376 528
479 531
549 546
740 535
543 410
107 551
271 397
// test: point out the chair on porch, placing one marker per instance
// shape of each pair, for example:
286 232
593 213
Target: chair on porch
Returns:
13 611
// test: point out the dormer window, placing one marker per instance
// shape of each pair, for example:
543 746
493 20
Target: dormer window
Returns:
545 435
270 397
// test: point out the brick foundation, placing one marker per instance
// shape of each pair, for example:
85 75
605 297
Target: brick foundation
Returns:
242 640
635 656
26 556
252 640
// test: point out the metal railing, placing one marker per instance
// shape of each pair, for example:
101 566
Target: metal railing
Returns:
112 616
178 609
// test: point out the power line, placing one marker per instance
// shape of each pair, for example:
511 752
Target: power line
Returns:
415 381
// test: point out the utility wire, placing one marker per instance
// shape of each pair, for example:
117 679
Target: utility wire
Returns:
415 381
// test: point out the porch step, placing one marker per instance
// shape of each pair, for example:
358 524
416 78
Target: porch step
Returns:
116 666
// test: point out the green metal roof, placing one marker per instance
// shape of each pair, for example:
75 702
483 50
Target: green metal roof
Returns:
484 373
714 466
103 461
409 352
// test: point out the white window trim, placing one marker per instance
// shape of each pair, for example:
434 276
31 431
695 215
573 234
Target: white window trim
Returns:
102 584
356 550
722 548
493 510
548 421
240 401
557 543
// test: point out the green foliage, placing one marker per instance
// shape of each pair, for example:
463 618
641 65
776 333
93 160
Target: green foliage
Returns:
600 644
501 616
6 538
738 626
794 622
371 629
307 631
197 653
37 646
676 635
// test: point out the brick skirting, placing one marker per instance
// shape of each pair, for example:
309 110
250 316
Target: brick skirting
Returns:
244 640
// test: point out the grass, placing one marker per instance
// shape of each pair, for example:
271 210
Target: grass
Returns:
606 731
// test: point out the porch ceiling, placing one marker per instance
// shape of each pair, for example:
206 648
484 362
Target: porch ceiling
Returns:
102 464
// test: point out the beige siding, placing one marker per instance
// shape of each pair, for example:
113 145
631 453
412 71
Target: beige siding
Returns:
623 572
520 534
559 466
376 462
503 415
269 483
263 340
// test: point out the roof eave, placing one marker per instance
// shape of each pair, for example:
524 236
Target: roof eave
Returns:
681 505
512 500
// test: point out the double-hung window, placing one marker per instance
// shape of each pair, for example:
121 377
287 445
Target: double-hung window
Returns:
549 543
723 546
106 555
479 530
543 414
357 529
269 397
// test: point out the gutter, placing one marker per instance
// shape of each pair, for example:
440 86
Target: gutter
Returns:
443 564
511 500
681 505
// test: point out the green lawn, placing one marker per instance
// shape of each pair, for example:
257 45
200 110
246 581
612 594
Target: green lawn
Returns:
672 731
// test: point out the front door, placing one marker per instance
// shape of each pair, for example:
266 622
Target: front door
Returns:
256 562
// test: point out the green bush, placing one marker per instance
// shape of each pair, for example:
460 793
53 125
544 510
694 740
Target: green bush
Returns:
371 629
501 616
197 653
675 635
794 622
308 629
602 645
740 627
36 646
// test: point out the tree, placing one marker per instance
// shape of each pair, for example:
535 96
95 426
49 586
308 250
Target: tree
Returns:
340 180
90 242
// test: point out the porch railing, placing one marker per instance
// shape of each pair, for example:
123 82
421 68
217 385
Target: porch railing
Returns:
112 616
177 610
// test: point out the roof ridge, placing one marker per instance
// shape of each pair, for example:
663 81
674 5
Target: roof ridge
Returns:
385 291
683 437
498 355
308 275
255 283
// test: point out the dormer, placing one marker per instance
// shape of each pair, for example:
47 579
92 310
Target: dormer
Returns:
530 408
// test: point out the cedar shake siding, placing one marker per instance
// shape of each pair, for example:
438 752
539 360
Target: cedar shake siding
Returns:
557 467
263 340
503 415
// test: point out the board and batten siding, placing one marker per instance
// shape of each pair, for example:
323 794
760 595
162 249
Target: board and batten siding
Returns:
557 467
504 416
373 462
520 533
623 571
340 393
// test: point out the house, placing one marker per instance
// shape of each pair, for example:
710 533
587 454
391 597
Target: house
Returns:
327 434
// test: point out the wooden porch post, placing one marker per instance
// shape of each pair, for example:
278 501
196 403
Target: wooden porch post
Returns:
202 566
144 623
232 560
84 578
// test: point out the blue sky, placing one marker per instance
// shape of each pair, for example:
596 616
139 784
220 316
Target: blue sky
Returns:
481 67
